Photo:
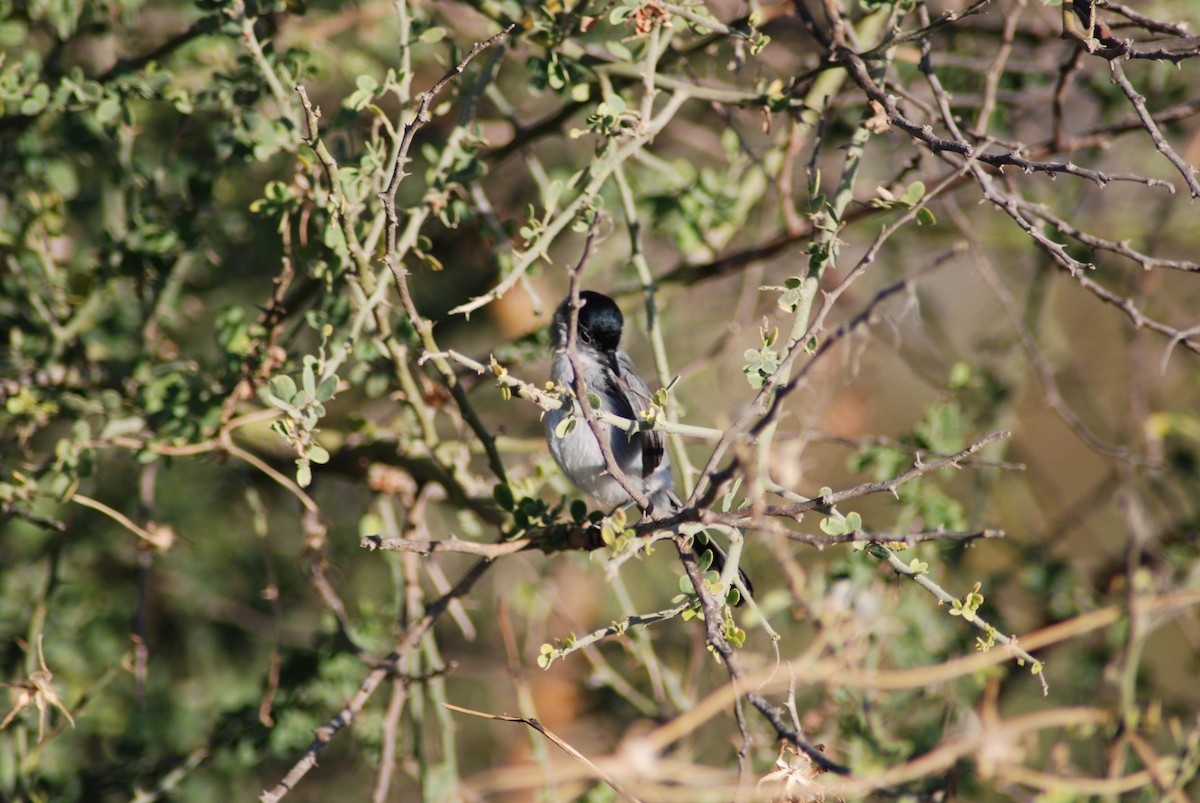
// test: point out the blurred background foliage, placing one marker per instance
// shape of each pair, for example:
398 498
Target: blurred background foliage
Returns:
222 367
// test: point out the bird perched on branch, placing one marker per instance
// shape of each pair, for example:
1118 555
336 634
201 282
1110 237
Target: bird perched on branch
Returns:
609 373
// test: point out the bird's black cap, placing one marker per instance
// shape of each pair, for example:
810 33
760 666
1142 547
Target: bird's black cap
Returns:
600 321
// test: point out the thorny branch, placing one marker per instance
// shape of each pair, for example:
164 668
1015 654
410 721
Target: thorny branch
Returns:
978 159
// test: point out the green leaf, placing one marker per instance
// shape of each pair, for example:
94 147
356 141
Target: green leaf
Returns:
357 99
333 236
108 110
960 375
619 51
327 388
579 511
12 34
913 194
503 496
552 194
309 379
832 526
282 387
62 179
564 426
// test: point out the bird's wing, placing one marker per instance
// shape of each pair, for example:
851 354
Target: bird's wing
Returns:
636 397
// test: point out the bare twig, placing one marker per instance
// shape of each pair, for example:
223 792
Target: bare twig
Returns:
454 545
1142 21
558 741
1118 247
996 70
924 134
796 511
1139 104
162 538
400 274
419 120
900 540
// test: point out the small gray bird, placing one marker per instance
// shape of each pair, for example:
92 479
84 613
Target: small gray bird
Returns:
609 373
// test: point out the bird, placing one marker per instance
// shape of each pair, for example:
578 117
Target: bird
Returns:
609 373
